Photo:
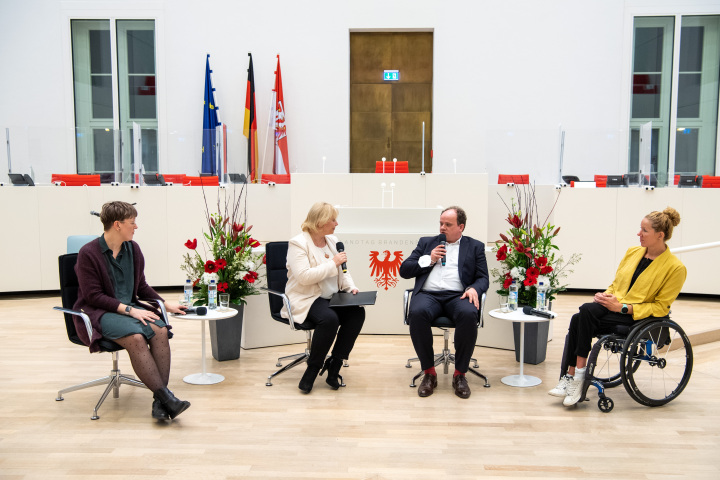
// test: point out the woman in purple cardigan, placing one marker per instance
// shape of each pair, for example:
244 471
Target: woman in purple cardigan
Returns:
110 271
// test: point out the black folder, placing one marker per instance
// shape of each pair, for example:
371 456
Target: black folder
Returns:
347 299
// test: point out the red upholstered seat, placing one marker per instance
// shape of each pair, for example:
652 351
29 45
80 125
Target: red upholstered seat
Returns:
270 177
710 182
516 179
176 179
198 181
392 167
73 180
601 181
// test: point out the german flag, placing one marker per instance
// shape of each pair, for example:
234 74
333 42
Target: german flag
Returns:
250 125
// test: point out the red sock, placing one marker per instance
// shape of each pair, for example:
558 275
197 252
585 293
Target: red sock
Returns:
457 372
431 371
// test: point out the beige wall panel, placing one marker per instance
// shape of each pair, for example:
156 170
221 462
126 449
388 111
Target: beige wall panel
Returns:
409 191
371 97
371 53
413 56
412 97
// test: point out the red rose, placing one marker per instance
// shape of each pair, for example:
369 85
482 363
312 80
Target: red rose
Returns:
220 263
222 287
532 272
191 244
251 277
502 253
210 267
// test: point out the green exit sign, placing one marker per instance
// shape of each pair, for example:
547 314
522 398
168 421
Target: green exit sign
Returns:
391 74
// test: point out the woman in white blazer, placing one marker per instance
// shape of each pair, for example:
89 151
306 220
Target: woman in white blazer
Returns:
314 274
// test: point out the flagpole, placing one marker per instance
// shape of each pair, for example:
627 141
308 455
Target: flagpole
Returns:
267 131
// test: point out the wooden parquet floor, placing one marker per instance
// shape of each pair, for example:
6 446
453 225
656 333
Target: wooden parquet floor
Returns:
376 428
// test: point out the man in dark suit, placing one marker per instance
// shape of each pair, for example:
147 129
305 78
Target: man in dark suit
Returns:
453 290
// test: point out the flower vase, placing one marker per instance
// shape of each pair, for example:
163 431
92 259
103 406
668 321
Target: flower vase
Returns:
536 339
226 334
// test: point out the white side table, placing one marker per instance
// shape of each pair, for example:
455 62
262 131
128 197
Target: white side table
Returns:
205 378
521 380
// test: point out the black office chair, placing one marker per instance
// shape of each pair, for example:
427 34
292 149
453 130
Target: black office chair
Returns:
570 178
276 268
69 293
444 324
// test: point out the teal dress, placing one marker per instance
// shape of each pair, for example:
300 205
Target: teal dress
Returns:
122 272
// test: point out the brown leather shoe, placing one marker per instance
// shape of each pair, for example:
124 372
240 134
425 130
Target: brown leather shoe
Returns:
428 385
460 384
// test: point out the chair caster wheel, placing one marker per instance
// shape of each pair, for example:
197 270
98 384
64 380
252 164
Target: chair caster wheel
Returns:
605 404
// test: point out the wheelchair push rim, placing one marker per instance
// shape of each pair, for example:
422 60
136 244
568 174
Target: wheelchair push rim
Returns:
656 363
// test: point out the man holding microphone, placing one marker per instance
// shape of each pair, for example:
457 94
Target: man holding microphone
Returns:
451 275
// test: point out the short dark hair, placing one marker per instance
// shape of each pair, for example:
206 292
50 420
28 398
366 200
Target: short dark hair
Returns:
461 215
116 212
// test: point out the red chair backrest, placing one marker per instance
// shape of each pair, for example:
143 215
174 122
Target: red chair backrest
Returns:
516 179
198 181
271 177
176 179
710 182
73 180
392 167
601 181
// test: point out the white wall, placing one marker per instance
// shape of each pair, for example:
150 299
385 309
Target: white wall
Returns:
506 75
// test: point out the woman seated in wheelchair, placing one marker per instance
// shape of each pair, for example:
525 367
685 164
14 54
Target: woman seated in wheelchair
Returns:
315 273
111 277
646 283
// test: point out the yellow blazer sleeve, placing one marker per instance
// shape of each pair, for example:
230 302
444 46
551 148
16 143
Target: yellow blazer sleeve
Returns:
659 304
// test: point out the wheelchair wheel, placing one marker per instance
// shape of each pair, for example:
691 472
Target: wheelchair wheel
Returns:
607 364
657 363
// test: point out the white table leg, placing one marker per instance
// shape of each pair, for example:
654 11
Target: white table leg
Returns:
521 380
203 378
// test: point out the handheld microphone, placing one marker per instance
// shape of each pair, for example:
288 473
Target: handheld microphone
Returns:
93 212
196 310
537 313
443 242
341 248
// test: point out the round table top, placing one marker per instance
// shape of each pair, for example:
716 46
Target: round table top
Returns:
518 316
217 314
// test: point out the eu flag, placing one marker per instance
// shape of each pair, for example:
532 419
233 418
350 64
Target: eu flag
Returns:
210 121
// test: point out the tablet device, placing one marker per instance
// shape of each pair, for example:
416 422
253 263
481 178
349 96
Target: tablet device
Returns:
347 299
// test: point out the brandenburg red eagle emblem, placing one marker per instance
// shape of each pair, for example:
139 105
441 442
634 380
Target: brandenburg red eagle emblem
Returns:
385 271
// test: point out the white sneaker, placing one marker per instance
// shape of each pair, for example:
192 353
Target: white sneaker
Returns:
574 391
561 389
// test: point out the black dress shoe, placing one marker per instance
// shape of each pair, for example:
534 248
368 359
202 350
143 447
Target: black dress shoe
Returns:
428 385
460 384
308 378
158 411
332 365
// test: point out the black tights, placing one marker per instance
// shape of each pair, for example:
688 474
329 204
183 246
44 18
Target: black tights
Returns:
341 325
151 365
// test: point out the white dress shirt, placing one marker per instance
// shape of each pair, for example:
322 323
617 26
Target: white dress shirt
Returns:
447 277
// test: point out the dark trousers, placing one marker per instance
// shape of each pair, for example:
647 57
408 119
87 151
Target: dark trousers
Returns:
591 320
341 325
426 307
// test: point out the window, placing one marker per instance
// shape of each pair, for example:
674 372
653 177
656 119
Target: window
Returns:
113 91
678 96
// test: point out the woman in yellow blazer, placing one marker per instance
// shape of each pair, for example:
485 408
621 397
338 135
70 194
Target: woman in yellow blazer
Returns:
646 283
314 274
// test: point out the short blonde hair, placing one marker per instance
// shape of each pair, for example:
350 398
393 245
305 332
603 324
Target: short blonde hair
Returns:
319 215
664 221
116 212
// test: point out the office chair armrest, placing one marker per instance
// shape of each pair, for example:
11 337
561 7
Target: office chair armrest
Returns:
161 306
481 313
85 318
406 304
286 302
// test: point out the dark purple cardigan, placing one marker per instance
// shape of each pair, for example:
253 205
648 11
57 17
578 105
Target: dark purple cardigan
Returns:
96 294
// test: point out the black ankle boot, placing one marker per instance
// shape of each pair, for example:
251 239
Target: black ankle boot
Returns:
332 365
173 405
158 411
308 378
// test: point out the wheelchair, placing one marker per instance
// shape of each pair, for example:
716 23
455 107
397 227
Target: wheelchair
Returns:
652 359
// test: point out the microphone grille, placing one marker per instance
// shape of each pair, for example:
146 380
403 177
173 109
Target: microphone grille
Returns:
442 237
527 310
340 246
201 310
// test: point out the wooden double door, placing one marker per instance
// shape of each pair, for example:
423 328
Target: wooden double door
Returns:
386 117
